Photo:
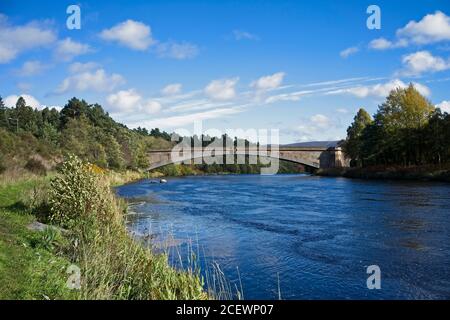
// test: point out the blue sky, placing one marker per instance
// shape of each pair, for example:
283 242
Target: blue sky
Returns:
301 67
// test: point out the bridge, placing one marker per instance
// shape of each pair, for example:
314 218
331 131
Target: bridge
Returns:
314 157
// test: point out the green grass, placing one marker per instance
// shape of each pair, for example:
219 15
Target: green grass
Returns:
27 271
33 264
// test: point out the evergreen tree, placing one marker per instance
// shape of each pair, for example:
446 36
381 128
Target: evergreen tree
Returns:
21 103
353 144
3 114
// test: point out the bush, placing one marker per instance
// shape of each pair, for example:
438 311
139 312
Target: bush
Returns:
171 170
74 193
2 165
49 239
113 266
35 166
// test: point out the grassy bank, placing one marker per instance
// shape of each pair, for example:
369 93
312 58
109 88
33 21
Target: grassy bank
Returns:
34 264
425 173
30 267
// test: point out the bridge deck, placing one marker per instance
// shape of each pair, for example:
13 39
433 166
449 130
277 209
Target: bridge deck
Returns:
253 149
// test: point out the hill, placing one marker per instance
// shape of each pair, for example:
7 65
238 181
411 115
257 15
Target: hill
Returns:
39 139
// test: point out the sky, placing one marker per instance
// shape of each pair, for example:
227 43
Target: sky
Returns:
302 67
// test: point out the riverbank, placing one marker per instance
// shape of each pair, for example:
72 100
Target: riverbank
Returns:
30 267
34 262
182 170
424 173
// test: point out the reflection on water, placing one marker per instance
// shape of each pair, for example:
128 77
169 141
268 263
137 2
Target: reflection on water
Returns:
318 234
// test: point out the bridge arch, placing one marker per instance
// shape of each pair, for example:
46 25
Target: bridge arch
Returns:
311 157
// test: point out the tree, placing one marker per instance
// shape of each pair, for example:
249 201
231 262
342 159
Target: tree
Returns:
139 155
50 134
25 117
51 116
400 132
113 153
21 103
402 117
158 134
437 137
3 114
353 144
75 108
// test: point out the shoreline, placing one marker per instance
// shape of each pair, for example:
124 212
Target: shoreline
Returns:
30 247
413 173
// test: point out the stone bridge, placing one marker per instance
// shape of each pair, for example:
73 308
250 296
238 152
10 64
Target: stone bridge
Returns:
314 157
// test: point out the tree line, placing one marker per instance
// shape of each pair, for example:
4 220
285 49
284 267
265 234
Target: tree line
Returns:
87 131
83 129
406 130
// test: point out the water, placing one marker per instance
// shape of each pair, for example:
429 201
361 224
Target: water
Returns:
316 235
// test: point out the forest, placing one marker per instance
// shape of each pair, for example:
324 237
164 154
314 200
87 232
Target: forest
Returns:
407 130
32 137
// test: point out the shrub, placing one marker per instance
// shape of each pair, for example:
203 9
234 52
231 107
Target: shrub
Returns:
113 266
74 193
48 239
2 164
171 170
35 166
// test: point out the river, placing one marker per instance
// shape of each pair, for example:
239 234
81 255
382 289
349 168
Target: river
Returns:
301 236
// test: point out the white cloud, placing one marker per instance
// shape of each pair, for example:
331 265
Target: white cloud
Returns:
68 49
380 90
223 89
316 127
320 121
348 52
124 101
423 90
132 34
444 106
130 101
175 50
339 81
432 28
269 82
97 80
384 44
17 39
342 110
78 67
31 68
182 120
244 35
196 105
171 89
151 106
380 44
291 96
179 97
423 61
31 101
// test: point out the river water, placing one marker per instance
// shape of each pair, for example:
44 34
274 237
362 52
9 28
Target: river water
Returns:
303 237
